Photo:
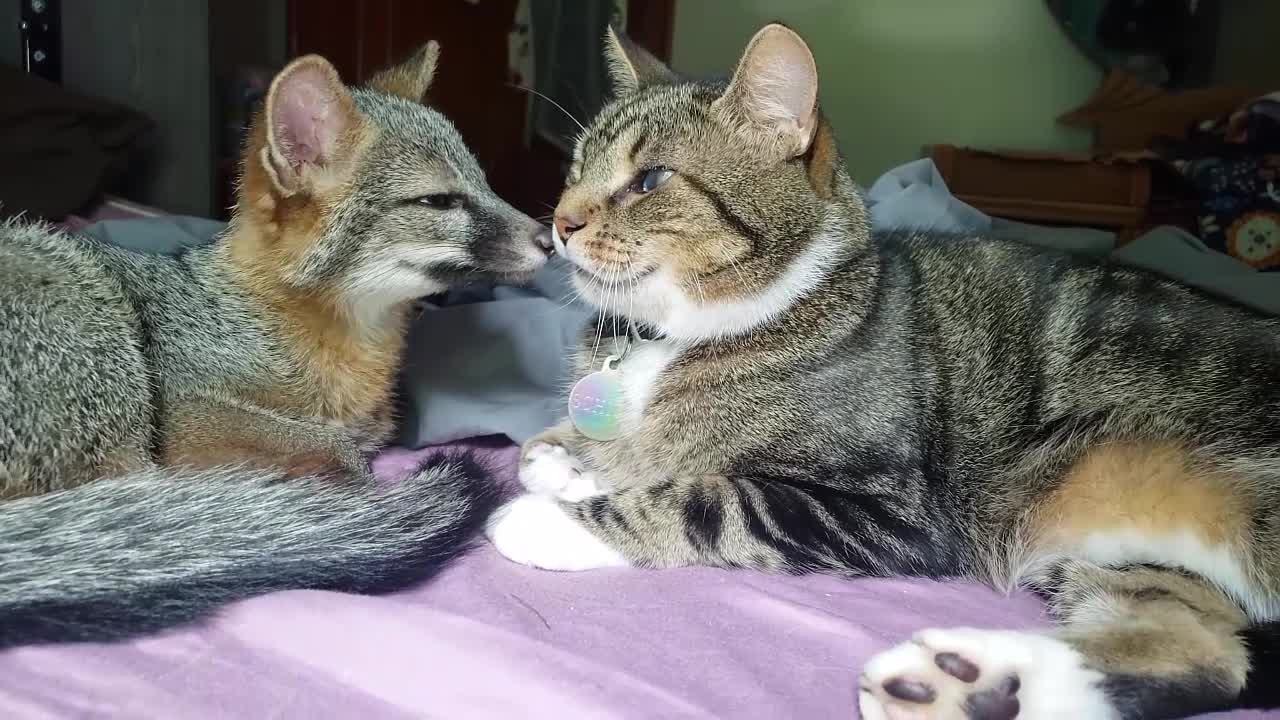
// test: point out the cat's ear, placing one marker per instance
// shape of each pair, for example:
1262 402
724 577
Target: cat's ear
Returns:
632 67
773 96
411 78
312 124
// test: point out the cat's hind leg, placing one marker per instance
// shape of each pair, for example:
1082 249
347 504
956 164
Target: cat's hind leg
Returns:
1134 642
1149 553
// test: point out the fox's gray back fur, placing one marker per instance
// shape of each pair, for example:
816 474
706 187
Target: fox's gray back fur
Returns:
115 361
69 327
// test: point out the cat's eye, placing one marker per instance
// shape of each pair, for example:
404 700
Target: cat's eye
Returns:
646 181
440 201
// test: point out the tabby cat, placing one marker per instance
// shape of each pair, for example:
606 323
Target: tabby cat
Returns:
813 397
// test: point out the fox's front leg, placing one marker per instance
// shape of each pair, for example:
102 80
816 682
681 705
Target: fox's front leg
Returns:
205 432
550 466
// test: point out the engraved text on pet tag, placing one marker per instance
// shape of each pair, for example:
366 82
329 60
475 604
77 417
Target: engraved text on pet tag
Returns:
595 403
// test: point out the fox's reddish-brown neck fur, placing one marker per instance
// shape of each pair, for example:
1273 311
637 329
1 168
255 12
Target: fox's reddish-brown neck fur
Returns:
346 369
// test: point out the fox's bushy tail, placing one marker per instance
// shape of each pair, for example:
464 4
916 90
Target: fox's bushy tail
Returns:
118 558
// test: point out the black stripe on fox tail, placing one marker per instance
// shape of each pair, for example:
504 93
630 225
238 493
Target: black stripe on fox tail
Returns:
115 559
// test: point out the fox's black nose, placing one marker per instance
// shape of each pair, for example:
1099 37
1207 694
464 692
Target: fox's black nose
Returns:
544 241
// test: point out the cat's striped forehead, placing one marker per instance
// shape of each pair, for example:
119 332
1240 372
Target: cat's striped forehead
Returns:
656 114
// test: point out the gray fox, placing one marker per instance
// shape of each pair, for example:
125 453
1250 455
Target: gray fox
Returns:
153 405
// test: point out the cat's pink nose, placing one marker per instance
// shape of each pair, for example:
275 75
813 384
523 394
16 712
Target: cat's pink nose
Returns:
568 223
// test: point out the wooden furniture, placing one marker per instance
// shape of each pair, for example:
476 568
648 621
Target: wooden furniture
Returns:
1114 186
1048 188
1127 114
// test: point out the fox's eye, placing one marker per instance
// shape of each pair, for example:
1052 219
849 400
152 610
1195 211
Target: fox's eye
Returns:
646 181
441 201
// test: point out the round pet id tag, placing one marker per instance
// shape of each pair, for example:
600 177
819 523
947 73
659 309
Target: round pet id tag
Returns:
595 403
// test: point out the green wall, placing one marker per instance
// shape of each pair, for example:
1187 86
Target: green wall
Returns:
900 74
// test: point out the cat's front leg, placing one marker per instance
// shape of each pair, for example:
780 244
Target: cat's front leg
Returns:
550 466
540 531
537 528
694 520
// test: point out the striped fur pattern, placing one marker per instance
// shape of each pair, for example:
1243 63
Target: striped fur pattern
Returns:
181 431
814 397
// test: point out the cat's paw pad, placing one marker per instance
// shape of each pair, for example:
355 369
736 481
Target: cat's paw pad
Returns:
536 530
547 469
967 674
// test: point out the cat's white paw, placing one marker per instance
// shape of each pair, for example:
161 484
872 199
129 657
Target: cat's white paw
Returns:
535 530
547 469
967 674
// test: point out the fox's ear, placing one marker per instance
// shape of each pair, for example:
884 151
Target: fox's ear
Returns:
631 66
773 96
312 123
411 78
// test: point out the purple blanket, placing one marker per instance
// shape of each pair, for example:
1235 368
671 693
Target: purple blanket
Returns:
489 639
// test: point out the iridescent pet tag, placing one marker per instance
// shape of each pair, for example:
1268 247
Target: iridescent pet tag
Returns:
595 403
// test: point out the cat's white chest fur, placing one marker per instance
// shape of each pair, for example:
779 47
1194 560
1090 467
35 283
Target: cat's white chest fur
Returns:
641 372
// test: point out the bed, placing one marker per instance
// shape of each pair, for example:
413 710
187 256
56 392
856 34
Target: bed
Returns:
490 639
